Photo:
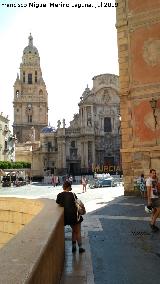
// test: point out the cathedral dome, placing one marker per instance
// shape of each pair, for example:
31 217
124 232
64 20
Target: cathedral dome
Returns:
30 48
48 129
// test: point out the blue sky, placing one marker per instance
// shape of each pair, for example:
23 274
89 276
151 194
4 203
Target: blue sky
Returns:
74 45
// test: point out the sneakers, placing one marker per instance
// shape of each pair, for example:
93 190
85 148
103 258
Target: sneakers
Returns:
81 250
154 228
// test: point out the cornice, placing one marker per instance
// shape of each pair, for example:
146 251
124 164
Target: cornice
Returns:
142 19
147 89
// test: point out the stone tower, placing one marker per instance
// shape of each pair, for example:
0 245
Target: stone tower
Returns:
138 26
30 96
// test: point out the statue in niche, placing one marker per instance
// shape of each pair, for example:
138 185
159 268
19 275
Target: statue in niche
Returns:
32 134
89 122
96 125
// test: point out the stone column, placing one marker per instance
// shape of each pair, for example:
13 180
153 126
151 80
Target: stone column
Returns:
93 153
82 154
86 154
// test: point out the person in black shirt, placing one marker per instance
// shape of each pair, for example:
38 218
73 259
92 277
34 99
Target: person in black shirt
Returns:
66 199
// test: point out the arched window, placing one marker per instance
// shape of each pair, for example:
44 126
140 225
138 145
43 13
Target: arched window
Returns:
23 77
17 93
29 78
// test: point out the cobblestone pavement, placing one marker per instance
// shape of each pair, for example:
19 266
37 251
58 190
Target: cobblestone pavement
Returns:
120 248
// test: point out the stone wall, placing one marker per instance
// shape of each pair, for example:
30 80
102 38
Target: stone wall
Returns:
35 253
138 27
14 215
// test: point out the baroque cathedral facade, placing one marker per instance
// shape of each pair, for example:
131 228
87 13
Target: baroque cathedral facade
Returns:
91 142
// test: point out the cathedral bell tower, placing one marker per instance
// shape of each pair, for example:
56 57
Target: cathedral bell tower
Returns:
30 96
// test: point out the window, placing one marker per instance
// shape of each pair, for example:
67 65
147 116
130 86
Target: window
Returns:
107 124
29 78
17 93
89 116
17 109
49 146
29 118
5 145
35 76
23 77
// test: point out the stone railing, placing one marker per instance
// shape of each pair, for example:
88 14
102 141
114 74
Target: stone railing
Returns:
32 241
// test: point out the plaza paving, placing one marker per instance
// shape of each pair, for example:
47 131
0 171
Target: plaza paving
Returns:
120 248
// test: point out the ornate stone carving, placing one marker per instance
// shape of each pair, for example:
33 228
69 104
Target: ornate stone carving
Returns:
151 52
106 98
64 123
58 123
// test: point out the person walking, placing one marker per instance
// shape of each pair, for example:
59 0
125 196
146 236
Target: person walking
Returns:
53 181
66 199
84 184
142 185
153 198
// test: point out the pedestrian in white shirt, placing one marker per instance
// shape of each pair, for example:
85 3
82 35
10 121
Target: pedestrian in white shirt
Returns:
153 198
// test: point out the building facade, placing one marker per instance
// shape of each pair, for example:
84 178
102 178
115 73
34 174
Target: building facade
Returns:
30 96
92 141
7 140
138 27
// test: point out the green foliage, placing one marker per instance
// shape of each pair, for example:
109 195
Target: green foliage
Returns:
14 165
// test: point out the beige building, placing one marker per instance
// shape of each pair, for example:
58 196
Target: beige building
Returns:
91 142
30 96
138 26
7 140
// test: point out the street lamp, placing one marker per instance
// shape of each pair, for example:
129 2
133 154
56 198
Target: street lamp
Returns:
153 104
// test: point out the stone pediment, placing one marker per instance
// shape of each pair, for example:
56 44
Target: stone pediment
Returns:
90 99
